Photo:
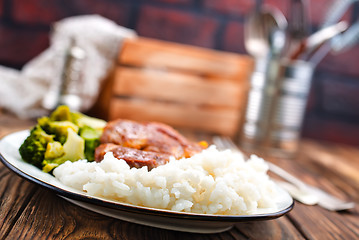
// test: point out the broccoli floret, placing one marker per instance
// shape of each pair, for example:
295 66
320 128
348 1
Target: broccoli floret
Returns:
59 128
43 122
92 140
61 113
52 125
34 147
73 150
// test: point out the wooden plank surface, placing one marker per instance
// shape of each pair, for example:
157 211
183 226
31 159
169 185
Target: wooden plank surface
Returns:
178 99
178 77
30 212
15 193
217 120
151 53
179 87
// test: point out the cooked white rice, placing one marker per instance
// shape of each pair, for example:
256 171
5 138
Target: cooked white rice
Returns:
212 182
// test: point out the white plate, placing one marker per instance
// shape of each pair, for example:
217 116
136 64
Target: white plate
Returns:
179 221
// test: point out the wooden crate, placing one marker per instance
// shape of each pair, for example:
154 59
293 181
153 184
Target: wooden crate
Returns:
183 86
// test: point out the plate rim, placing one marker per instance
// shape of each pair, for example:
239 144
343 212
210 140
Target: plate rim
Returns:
133 208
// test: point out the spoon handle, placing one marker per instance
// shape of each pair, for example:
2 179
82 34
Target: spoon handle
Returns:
336 11
347 39
317 39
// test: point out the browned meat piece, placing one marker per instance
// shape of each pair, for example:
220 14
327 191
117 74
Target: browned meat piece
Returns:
134 157
189 148
150 136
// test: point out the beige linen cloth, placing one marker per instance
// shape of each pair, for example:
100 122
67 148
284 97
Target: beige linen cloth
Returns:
31 92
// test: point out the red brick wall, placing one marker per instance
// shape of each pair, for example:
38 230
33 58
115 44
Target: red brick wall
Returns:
333 109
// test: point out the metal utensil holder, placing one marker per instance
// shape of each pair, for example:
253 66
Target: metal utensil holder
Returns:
276 106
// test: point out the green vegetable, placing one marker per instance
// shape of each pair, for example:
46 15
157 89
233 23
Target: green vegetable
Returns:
61 113
82 120
73 150
54 150
92 140
60 128
62 136
34 147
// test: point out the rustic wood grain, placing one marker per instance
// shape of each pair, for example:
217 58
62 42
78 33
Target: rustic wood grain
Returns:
145 52
318 223
178 87
315 174
216 120
313 221
330 158
280 228
178 99
14 195
9 123
49 217
170 78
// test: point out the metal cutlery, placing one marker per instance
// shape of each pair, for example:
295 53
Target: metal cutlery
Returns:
299 190
325 200
336 11
329 37
298 194
298 25
265 39
317 39
258 30
340 42
346 40
336 45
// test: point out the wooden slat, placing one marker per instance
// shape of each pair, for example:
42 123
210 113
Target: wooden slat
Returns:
171 77
152 53
179 87
217 120
100 109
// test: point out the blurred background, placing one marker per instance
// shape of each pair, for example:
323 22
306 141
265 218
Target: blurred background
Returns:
333 108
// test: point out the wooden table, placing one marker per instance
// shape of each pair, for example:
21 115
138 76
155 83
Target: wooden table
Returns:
28 211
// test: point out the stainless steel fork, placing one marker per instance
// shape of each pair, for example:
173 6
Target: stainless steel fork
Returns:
299 190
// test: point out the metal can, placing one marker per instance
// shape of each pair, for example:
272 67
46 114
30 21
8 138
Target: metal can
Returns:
276 106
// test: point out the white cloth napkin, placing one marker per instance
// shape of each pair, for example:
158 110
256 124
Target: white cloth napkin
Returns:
29 92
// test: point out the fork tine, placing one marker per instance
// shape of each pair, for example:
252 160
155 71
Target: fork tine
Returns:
230 143
217 140
224 142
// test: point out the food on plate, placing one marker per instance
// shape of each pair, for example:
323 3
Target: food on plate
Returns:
144 144
210 182
147 164
133 157
66 135
62 136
